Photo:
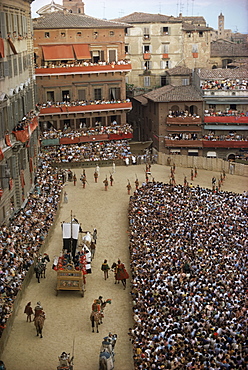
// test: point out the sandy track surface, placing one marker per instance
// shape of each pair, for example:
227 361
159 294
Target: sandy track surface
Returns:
68 313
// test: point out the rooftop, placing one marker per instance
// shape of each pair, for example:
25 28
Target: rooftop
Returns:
174 93
217 73
138 17
178 71
60 20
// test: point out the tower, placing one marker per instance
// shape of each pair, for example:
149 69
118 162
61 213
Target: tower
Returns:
221 28
74 6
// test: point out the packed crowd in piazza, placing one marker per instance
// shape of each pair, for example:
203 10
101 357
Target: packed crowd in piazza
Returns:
91 151
188 249
22 238
98 129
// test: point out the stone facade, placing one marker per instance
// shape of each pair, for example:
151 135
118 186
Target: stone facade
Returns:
155 43
89 69
17 105
196 120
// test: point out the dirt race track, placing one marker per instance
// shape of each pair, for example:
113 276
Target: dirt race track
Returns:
68 313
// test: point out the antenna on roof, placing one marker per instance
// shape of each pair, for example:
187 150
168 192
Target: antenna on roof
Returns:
103 10
192 7
121 13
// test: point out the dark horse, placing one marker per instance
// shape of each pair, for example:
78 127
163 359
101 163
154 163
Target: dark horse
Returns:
40 267
39 323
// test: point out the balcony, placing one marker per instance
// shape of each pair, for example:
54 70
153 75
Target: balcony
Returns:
241 144
24 135
81 69
90 108
235 144
183 143
222 93
147 56
226 119
183 120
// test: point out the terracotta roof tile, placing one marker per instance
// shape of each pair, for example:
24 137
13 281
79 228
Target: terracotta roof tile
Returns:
60 20
178 71
137 17
209 74
174 93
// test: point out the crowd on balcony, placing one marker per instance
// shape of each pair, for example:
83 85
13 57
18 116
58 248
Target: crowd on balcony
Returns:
211 135
227 112
182 136
182 113
85 63
26 120
91 151
74 103
233 136
21 239
188 261
224 84
86 131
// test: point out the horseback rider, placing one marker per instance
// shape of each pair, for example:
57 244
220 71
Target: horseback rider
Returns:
38 310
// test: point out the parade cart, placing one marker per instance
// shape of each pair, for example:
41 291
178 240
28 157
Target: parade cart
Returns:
70 279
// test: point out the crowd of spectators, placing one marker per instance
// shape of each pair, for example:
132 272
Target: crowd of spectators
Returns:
225 84
74 103
227 112
234 136
91 151
182 136
188 249
85 63
98 129
22 238
182 113
26 120
211 135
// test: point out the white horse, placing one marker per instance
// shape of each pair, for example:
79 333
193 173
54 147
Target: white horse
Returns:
87 239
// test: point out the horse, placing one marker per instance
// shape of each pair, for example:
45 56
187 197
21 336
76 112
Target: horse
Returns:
39 323
107 355
40 267
121 273
95 318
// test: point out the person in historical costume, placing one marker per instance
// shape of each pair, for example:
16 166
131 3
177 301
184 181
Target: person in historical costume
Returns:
121 273
28 311
38 310
106 184
105 268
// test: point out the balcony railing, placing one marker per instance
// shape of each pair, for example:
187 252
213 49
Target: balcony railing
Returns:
183 120
242 144
225 119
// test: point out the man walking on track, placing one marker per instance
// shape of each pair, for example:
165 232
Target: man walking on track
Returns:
106 183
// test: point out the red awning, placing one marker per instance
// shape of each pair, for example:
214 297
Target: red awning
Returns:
58 52
1 48
82 51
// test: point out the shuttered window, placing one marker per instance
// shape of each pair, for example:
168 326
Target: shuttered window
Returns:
3 25
81 94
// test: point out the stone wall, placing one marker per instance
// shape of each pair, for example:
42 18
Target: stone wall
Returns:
204 163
